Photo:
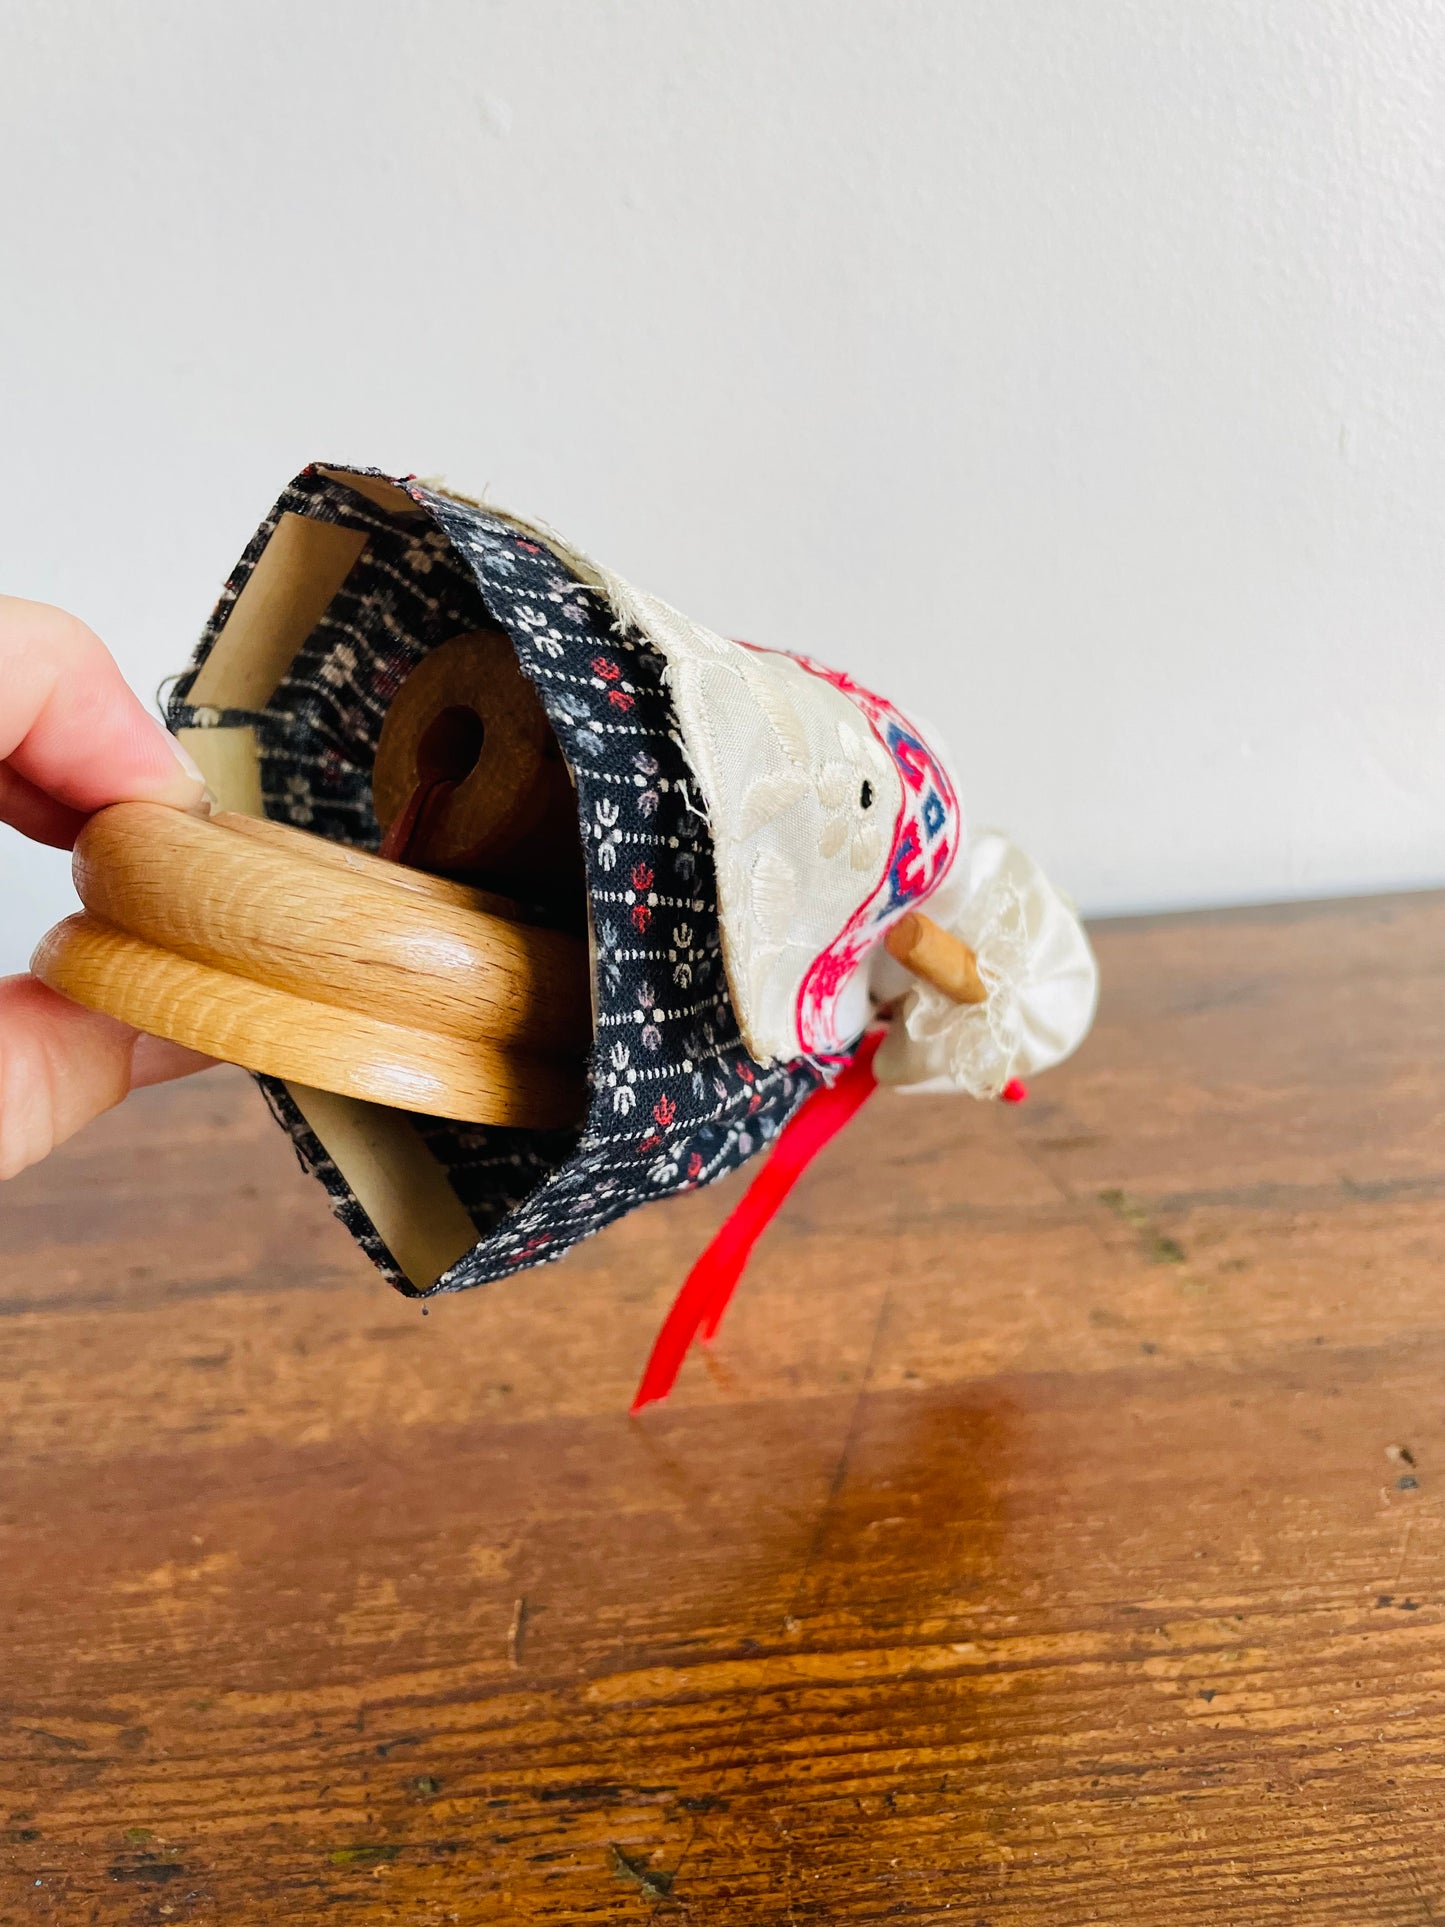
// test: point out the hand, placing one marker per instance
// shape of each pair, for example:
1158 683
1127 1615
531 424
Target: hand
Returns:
73 737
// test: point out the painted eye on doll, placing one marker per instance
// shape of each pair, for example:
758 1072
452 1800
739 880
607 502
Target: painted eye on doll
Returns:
865 795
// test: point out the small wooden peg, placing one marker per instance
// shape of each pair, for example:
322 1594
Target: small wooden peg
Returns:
936 955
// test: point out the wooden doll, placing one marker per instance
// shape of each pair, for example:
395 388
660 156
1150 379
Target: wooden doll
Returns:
530 901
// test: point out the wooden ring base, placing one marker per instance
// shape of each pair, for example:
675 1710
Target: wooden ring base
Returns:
275 950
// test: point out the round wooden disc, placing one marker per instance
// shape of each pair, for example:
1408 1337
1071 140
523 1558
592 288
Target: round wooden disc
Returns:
272 949
278 909
469 717
361 863
275 1031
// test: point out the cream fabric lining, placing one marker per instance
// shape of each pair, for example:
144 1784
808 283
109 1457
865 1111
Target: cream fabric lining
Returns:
395 1179
230 760
286 595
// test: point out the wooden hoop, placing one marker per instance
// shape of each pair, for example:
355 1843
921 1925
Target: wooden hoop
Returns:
275 950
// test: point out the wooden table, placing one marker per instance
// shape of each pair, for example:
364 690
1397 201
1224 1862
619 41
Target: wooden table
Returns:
1056 1536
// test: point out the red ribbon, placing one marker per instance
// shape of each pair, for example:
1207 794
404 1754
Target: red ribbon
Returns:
698 1308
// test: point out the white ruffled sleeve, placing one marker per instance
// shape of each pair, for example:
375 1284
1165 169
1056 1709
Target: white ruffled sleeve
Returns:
1034 958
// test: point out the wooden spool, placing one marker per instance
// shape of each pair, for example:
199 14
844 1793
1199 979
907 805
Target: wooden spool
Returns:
325 966
469 778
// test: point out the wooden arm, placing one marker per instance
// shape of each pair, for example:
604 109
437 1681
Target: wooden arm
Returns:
936 955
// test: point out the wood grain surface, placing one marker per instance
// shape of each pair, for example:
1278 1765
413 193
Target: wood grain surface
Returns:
334 970
1055 1539
469 720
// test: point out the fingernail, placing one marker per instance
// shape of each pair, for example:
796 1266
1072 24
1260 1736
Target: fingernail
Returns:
191 767
182 755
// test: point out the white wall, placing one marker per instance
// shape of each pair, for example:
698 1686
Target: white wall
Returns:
1075 368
